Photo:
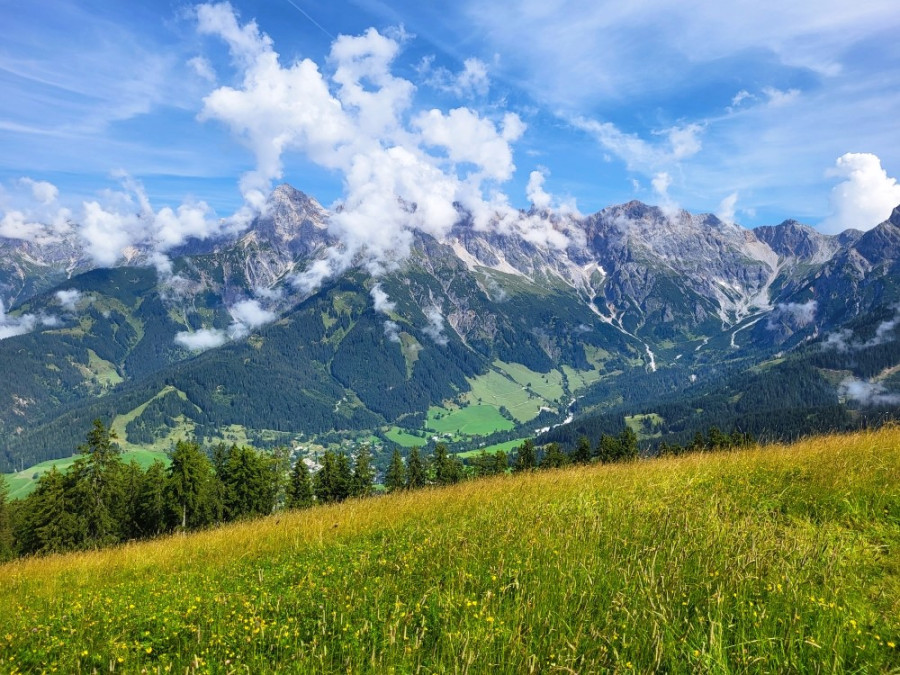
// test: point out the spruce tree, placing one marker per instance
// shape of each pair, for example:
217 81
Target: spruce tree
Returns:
363 473
501 462
344 475
628 444
280 466
151 517
717 440
484 464
699 443
332 481
191 493
582 454
441 465
554 457
6 541
45 522
395 478
249 483
326 478
132 486
527 457
98 493
415 470
299 491
608 449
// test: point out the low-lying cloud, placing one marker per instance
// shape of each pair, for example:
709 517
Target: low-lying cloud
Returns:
246 316
380 300
844 340
12 326
795 314
251 314
201 339
108 227
69 299
435 327
392 330
867 393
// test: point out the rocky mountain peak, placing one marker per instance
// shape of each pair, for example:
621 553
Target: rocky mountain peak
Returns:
792 239
882 243
292 221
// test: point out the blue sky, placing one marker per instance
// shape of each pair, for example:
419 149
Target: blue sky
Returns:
758 111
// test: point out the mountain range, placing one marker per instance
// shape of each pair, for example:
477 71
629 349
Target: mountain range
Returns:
549 323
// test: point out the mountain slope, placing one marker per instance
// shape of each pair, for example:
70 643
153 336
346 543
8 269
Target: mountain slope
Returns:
628 308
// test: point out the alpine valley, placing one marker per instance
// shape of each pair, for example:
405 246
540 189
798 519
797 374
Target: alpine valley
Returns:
553 325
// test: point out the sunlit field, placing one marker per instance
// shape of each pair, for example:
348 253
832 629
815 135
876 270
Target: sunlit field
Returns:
780 559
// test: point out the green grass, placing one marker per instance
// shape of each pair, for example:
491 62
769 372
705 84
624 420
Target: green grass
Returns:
505 447
104 371
636 424
548 386
404 439
473 420
184 429
783 559
22 483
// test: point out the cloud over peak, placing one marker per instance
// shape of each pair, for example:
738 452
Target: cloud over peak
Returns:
866 195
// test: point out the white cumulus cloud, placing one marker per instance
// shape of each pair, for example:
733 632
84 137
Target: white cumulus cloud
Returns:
726 209
473 80
535 191
403 170
866 195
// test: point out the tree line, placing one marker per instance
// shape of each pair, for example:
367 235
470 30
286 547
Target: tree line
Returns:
101 500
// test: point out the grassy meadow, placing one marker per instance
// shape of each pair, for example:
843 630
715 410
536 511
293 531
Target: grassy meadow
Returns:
780 559
22 483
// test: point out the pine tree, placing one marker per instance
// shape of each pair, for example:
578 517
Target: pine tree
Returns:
527 457
363 473
395 478
582 454
554 457
299 491
415 470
